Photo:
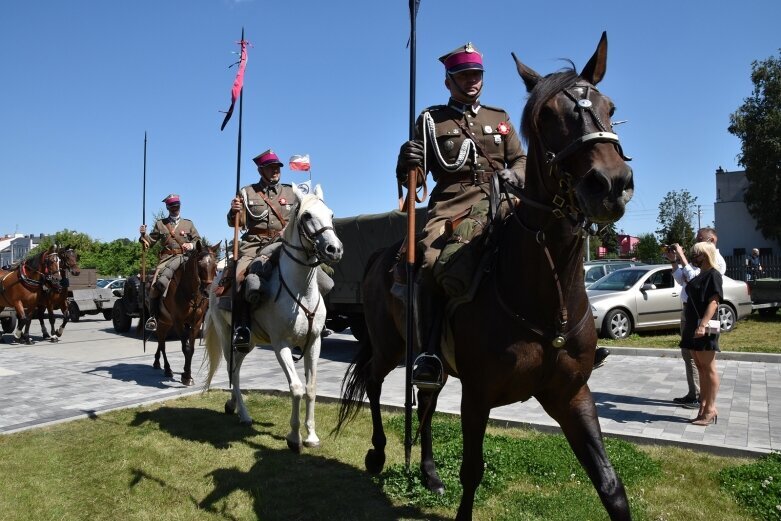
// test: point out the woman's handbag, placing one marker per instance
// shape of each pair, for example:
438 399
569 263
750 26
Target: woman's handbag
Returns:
713 328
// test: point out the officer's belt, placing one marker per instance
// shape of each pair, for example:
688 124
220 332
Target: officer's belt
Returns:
474 177
171 251
263 232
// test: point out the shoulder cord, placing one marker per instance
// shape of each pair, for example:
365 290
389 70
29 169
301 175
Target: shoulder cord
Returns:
262 215
467 147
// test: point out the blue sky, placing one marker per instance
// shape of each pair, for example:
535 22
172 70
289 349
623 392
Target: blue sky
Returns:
83 80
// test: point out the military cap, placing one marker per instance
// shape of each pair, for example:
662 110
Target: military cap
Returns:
267 158
171 199
463 58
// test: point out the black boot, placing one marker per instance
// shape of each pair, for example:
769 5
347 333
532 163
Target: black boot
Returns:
600 356
427 371
154 310
241 334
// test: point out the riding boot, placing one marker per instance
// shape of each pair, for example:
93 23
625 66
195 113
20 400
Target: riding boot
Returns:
241 310
154 310
253 288
427 369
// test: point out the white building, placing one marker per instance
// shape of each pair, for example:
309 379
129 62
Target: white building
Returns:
14 248
736 227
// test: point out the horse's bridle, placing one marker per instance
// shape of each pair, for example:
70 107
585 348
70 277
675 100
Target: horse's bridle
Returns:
566 205
562 205
307 236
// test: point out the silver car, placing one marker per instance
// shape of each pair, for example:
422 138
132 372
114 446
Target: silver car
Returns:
647 297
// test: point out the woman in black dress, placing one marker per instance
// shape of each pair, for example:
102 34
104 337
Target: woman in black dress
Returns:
705 294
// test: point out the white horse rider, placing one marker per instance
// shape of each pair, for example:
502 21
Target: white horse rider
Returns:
292 316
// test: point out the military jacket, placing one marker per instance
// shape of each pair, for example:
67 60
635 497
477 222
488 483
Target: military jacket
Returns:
184 230
498 145
261 222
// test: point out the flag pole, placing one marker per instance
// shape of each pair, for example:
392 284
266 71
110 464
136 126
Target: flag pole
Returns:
143 254
236 219
411 191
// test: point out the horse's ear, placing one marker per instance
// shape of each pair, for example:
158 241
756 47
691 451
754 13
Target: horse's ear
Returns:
596 67
198 246
528 75
216 248
319 191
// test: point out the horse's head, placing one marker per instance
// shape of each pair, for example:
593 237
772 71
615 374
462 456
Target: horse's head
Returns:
69 260
567 124
50 262
314 222
207 263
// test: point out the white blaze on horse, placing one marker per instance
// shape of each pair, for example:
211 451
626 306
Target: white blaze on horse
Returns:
291 316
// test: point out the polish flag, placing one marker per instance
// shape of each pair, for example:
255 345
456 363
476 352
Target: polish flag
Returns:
300 163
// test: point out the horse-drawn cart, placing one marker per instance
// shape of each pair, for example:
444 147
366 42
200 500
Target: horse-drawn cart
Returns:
765 295
361 236
85 298
7 319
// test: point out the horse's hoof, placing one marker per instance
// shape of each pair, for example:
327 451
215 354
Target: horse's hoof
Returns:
156 365
169 373
433 483
374 461
229 409
46 336
295 447
187 381
312 444
29 342
54 339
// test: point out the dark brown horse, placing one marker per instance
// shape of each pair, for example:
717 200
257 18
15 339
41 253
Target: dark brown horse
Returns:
21 286
55 295
184 306
528 331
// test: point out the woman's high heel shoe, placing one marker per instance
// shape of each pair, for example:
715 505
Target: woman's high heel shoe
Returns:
707 419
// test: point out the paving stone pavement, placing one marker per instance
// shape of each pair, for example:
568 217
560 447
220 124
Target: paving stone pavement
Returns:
93 370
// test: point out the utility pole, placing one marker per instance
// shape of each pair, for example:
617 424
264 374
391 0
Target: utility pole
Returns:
699 214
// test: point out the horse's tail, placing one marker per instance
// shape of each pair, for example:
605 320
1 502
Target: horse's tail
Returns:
354 385
213 339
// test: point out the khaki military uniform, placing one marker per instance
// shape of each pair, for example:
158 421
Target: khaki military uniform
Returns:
263 223
498 147
180 232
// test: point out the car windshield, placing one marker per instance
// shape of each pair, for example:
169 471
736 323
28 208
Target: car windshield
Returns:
103 283
620 280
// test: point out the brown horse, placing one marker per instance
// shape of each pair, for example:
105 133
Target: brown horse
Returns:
55 296
184 305
528 331
20 287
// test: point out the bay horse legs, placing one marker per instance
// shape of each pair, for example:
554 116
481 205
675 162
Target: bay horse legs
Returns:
188 348
474 419
580 424
427 405
161 350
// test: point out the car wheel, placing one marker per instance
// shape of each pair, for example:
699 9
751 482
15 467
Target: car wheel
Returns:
73 312
618 324
119 318
357 326
8 324
727 318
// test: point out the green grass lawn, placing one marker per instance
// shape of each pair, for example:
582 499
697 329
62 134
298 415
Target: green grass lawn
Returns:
756 334
186 460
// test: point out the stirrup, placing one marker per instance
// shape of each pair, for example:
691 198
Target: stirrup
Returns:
427 372
151 324
241 337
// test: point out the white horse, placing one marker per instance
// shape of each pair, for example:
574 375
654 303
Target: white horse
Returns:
292 315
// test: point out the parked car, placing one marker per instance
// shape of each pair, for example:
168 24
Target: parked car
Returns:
595 270
647 297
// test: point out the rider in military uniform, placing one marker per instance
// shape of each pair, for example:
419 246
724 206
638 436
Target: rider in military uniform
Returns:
178 236
265 208
465 144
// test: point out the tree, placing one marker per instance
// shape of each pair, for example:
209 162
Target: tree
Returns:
648 249
757 123
118 257
676 214
609 237
81 242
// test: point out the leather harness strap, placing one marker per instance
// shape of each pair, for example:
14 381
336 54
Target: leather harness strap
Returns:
272 208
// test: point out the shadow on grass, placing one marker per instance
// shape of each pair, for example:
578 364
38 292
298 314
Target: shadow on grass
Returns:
201 425
285 486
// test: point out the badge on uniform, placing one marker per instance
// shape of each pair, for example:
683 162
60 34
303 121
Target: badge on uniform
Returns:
282 200
488 130
497 139
182 233
503 128
449 145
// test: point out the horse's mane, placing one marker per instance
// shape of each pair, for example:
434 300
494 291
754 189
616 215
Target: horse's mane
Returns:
545 89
